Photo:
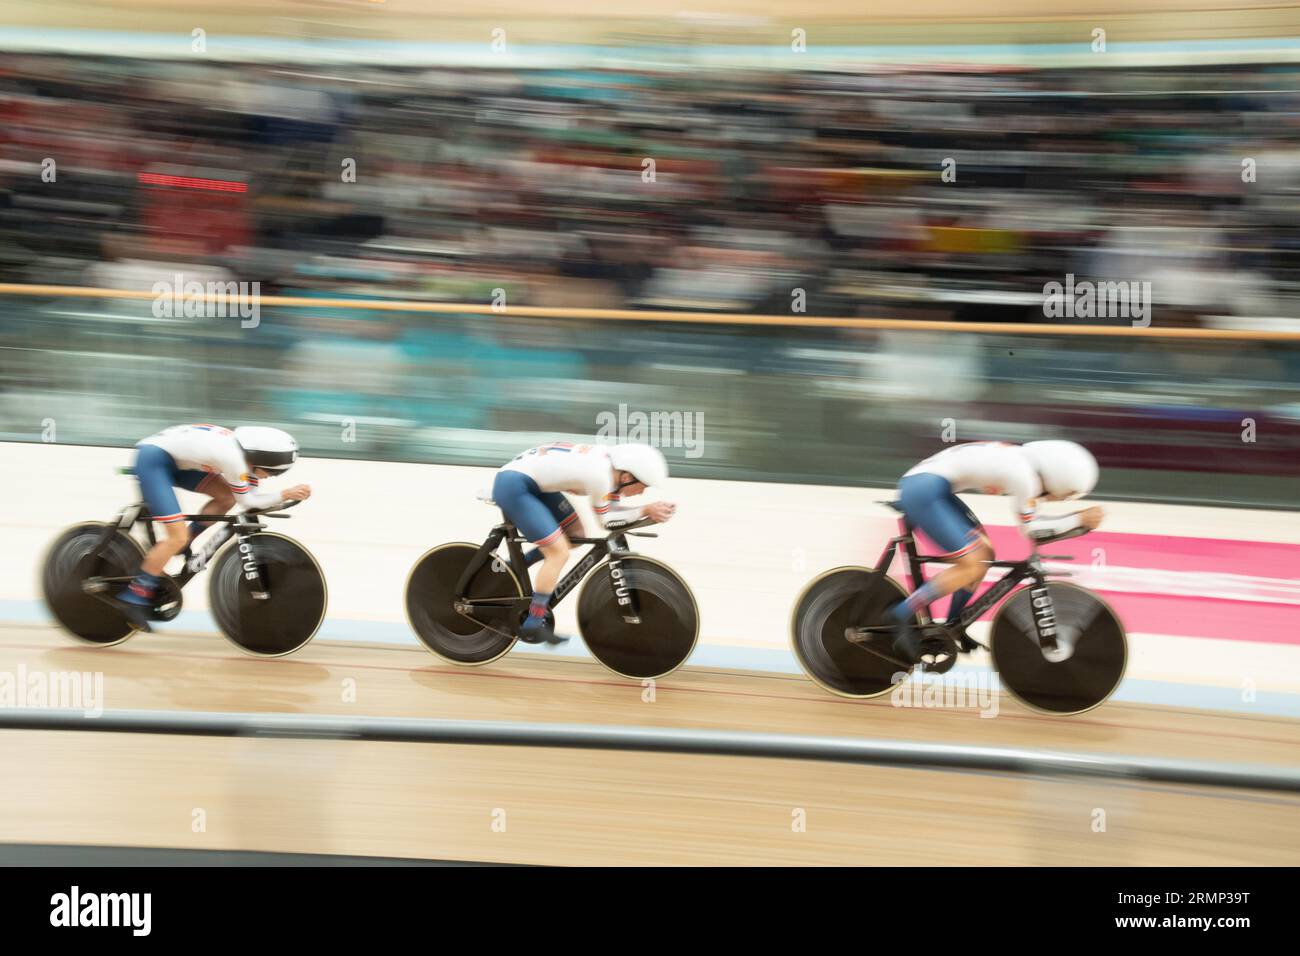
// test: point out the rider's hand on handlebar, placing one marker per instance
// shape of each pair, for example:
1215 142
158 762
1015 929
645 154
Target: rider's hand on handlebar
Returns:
1090 518
296 493
660 511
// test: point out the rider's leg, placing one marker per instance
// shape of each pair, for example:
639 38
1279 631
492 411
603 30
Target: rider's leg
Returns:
555 549
562 511
978 565
157 473
963 575
531 511
221 500
960 598
929 503
556 555
144 588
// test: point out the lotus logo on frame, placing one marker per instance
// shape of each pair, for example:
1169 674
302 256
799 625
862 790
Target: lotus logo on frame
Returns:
250 563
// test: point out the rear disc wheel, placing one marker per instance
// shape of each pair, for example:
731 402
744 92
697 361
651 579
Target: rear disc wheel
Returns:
432 614
832 606
70 562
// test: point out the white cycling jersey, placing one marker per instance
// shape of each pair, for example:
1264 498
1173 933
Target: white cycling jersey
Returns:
576 470
213 449
996 468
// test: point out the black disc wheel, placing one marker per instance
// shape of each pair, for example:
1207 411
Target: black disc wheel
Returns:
667 625
478 635
293 607
76 560
835 605
1091 657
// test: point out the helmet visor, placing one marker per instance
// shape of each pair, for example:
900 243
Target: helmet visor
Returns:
273 461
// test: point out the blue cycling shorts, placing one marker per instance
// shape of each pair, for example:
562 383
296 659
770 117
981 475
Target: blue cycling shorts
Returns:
929 504
159 477
540 516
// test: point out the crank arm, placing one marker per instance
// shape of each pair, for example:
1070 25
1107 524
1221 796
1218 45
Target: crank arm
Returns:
99 587
484 624
860 636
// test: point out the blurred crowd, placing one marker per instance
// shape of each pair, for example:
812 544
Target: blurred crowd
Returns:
924 193
899 193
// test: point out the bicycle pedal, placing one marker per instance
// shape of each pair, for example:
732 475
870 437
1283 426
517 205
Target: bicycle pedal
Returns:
137 615
937 642
940 666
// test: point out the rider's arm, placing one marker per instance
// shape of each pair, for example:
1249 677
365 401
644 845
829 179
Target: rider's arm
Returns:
605 501
608 509
1023 487
1037 527
1043 527
247 495
251 498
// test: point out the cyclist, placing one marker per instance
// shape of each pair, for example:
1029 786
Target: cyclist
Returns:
223 464
1031 473
530 491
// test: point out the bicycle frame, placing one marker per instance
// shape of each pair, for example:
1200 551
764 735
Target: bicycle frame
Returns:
613 546
240 525
1030 568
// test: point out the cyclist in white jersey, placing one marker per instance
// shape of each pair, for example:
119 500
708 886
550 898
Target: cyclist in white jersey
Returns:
223 464
1028 474
531 490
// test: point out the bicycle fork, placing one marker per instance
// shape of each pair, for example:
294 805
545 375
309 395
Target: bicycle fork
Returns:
257 585
626 599
1057 644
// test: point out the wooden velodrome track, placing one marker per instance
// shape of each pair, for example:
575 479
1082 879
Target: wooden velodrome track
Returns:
539 805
